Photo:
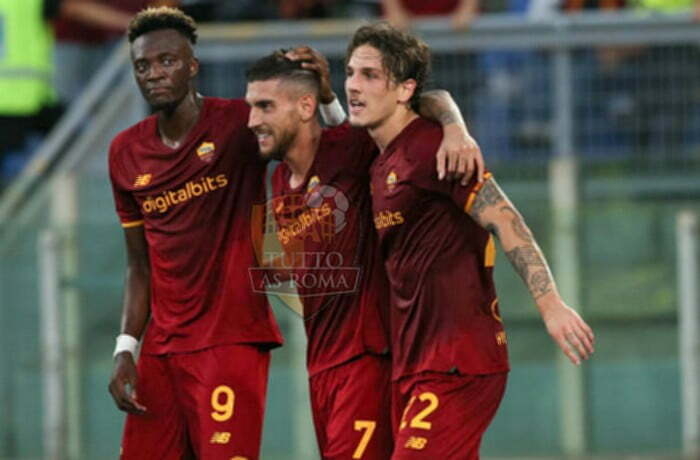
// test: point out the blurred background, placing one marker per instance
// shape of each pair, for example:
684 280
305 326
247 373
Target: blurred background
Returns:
587 112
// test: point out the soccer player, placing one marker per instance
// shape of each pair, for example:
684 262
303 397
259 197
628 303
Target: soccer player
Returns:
185 181
322 205
448 343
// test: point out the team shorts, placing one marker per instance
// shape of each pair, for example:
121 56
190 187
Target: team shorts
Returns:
207 404
351 408
444 416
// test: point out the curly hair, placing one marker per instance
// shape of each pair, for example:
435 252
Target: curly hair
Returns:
404 56
161 18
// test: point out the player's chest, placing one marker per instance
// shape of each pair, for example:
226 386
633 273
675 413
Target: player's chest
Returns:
395 197
205 161
322 211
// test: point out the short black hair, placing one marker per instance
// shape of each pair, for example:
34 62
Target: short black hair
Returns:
161 18
404 56
277 65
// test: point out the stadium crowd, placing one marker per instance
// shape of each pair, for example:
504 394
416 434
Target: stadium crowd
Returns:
41 76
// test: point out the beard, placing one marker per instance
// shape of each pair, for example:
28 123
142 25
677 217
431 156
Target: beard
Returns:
276 154
279 150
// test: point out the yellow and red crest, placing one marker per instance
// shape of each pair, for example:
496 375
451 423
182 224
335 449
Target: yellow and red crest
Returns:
205 152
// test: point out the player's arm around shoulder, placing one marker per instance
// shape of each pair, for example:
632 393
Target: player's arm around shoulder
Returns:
492 209
135 311
459 155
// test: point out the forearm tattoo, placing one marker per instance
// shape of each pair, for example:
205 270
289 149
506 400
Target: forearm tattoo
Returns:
517 224
530 265
526 256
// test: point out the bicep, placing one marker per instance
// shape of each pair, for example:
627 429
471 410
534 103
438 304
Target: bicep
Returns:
136 248
490 207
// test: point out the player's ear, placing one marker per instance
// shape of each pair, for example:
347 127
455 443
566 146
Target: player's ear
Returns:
306 105
406 90
194 67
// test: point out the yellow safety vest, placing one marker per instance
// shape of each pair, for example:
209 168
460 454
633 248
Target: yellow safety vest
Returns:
26 46
666 6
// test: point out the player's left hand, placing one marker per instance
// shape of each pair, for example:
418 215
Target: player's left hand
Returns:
315 61
459 156
569 331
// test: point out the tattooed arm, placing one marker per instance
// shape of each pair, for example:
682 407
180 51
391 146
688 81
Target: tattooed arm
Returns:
493 211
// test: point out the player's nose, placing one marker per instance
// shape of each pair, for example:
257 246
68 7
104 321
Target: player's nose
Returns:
253 119
351 83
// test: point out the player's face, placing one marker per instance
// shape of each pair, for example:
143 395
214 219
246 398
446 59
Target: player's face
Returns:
164 67
273 117
371 93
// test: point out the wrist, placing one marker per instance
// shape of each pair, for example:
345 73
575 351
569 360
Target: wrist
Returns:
327 98
125 342
332 113
548 302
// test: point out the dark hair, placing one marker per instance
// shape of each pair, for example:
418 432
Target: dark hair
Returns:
404 56
161 18
277 65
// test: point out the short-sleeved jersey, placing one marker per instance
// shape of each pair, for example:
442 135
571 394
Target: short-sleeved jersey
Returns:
196 204
325 229
439 261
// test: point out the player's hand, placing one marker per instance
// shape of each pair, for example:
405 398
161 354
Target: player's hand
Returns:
313 60
459 156
122 385
569 331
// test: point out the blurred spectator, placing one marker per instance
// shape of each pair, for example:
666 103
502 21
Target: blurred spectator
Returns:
578 5
400 12
227 10
86 31
26 95
652 116
303 9
512 106
256 10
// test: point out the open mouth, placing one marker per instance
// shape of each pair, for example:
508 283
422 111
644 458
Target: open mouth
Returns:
355 106
263 137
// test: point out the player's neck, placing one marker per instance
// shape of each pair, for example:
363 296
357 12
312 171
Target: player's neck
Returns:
175 124
392 126
302 152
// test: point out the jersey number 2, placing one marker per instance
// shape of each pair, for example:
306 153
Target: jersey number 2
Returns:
418 421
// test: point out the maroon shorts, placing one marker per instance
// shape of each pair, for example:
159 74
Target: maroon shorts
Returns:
208 404
440 415
351 407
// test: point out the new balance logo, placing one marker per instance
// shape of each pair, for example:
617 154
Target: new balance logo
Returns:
416 443
222 437
501 338
143 180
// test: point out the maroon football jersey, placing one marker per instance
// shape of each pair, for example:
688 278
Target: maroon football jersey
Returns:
197 205
439 261
325 229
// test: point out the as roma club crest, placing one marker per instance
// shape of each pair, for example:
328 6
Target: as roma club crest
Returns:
205 152
313 182
391 180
